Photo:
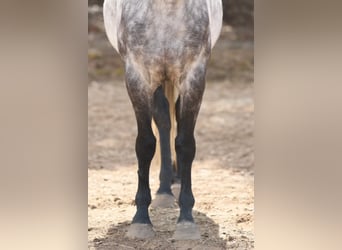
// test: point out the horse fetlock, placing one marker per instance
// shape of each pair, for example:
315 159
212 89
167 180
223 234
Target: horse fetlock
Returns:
186 203
143 199
165 189
142 216
185 215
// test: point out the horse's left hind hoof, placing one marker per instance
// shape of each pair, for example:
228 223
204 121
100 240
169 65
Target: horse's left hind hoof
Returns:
164 201
140 231
187 231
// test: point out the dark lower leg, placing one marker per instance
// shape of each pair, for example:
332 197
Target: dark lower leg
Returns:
161 116
145 143
145 147
185 148
165 176
187 108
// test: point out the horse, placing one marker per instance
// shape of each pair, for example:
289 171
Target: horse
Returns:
165 46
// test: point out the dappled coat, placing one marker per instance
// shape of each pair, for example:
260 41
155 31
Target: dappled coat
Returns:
165 45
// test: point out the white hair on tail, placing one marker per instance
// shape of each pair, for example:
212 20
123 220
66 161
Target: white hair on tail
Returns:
215 19
112 10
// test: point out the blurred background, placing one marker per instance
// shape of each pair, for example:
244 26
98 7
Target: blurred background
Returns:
297 138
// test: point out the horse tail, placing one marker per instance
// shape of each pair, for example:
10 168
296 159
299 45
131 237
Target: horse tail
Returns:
171 94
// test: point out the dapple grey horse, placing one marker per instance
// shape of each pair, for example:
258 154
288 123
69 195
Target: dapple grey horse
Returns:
165 45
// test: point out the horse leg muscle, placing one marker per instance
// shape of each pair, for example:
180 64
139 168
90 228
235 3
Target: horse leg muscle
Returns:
145 147
187 111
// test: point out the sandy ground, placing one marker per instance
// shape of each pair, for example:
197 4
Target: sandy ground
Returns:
223 171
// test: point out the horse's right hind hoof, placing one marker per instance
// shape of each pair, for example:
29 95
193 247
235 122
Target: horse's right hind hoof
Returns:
187 231
164 201
140 231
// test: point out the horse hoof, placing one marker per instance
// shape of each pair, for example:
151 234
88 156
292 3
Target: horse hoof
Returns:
140 231
186 231
163 201
175 188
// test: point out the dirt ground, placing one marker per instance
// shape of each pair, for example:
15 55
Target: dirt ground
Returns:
223 170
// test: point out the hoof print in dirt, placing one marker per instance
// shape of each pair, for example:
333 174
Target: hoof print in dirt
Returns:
140 231
187 231
164 201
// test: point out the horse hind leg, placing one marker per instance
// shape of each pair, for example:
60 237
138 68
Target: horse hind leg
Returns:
141 226
161 115
187 111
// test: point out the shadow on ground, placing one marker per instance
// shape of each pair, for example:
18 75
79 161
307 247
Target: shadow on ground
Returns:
164 223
